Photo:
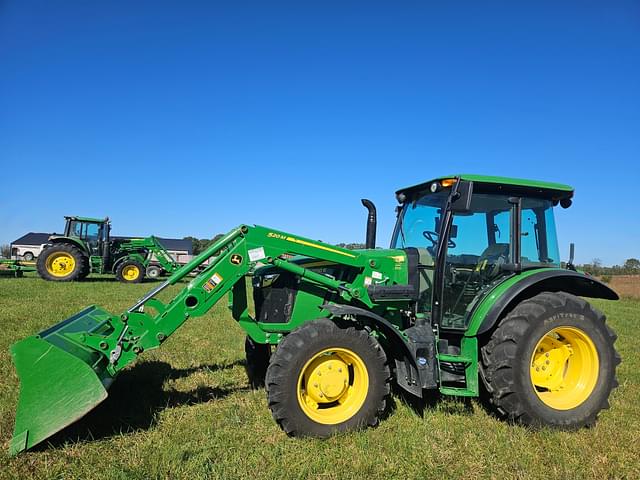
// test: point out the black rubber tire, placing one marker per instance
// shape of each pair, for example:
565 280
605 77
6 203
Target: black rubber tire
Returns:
292 354
28 257
505 367
86 270
127 263
153 272
81 262
258 356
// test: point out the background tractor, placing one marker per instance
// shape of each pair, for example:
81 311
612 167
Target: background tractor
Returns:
470 295
87 247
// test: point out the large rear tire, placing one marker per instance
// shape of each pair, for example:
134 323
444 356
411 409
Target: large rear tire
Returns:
323 379
86 270
551 361
62 262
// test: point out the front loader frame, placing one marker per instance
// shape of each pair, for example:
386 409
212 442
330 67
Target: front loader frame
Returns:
231 258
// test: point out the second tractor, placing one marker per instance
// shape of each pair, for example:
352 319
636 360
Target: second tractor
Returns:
87 247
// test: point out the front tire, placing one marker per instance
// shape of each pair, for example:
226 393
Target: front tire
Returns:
323 379
551 361
130 271
257 355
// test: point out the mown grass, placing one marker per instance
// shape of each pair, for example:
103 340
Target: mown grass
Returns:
185 411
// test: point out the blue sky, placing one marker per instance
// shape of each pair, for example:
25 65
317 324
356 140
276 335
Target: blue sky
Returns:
188 118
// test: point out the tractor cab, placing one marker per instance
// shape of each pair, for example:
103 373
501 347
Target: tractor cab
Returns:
470 232
92 232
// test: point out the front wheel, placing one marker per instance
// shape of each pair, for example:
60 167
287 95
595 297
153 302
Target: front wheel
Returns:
324 379
551 361
257 357
130 271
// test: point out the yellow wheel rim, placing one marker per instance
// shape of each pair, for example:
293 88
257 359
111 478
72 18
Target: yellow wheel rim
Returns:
564 368
60 264
333 386
130 273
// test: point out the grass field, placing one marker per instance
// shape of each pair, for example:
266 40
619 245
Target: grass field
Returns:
185 411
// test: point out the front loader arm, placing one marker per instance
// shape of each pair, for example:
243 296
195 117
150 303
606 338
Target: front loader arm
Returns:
66 370
149 321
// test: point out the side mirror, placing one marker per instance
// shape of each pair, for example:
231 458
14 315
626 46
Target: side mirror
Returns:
461 201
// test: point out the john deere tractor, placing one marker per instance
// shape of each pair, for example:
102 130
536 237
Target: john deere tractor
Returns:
470 297
86 247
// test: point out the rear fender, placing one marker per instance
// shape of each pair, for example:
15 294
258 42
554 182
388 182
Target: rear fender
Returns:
513 290
72 241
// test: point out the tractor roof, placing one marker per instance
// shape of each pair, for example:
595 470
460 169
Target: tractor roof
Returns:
87 219
504 185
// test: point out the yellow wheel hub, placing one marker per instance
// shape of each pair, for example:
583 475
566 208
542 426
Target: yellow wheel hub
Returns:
60 264
333 386
130 273
564 368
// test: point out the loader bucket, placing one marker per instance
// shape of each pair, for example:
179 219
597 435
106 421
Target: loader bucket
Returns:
60 380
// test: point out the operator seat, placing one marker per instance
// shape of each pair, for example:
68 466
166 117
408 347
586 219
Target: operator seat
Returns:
491 258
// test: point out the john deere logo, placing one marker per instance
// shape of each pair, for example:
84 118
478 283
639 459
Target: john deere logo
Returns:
236 259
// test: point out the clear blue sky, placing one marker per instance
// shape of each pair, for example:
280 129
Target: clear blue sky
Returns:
188 118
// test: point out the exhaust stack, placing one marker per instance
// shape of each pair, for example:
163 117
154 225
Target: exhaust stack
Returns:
372 223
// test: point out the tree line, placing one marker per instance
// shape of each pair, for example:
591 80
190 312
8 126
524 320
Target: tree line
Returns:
631 266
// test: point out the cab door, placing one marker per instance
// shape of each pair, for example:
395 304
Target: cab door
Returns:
480 241
92 236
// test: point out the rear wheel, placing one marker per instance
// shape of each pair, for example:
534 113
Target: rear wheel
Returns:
324 379
86 270
130 271
28 256
258 355
62 262
551 361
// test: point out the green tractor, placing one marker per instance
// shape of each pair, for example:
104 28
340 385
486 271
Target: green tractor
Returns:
87 247
470 297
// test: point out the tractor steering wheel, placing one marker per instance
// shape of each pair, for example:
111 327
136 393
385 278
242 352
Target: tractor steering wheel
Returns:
433 238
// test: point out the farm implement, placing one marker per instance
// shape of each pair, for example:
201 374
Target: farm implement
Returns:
87 247
16 267
470 294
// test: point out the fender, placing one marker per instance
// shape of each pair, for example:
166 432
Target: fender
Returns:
73 241
411 382
516 288
132 256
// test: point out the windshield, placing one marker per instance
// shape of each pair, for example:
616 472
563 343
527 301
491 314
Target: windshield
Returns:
419 221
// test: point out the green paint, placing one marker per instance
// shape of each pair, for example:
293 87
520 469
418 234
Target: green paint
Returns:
88 219
16 267
503 181
58 385
142 250
494 295
469 357
66 370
